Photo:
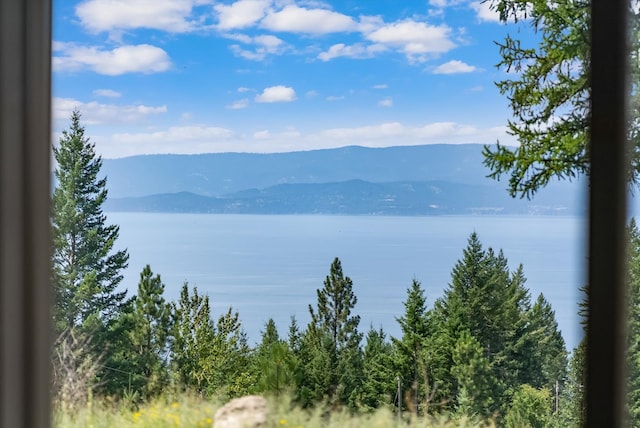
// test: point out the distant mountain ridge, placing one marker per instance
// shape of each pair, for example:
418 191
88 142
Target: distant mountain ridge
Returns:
403 180
218 174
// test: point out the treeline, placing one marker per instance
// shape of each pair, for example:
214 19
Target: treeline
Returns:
484 349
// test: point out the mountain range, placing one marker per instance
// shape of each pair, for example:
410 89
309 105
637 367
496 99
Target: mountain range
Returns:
401 180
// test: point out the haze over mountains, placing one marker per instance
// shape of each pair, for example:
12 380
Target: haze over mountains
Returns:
402 180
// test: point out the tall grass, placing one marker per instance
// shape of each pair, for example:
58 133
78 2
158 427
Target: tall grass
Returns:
190 412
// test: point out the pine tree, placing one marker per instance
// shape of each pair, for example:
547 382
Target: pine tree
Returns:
473 373
546 351
572 411
151 322
332 355
137 366
489 303
277 364
379 379
409 348
86 269
547 84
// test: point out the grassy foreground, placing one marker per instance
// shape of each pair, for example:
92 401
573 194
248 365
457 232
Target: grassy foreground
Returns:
188 411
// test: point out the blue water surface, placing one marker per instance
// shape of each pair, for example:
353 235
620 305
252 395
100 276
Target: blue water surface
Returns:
271 266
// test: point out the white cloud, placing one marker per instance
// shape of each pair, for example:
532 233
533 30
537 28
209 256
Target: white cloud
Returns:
178 139
265 45
266 135
241 14
415 39
334 98
454 67
484 12
124 59
94 113
365 132
387 102
239 104
445 3
311 94
276 94
295 19
357 50
381 86
174 16
208 139
388 134
268 40
369 24
176 134
242 89
108 93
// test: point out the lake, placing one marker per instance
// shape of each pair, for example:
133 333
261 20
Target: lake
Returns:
271 266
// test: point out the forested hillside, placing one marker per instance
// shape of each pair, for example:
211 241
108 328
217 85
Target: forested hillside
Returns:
410 180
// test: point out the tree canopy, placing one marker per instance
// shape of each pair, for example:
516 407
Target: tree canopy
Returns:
548 90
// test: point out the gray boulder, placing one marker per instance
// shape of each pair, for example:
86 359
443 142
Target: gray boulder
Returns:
244 412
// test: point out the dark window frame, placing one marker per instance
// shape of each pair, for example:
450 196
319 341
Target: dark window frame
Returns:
25 98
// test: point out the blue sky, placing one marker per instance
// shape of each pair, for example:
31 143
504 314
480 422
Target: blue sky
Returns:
196 76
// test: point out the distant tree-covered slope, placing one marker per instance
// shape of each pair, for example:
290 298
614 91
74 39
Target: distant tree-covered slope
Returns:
357 197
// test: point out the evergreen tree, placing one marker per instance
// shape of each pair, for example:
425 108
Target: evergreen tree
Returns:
408 349
86 269
151 324
489 303
193 337
231 357
573 409
473 374
206 357
546 354
294 336
136 366
277 364
549 92
316 373
333 341
379 379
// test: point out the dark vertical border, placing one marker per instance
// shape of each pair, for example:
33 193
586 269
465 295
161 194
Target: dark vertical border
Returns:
606 339
25 314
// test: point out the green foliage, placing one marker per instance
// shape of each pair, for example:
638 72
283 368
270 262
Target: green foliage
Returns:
485 322
572 409
633 334
473 374
414 325
530 408
277 364
545 353
86 269
379 380
549 94
330 349
208 358
150 320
